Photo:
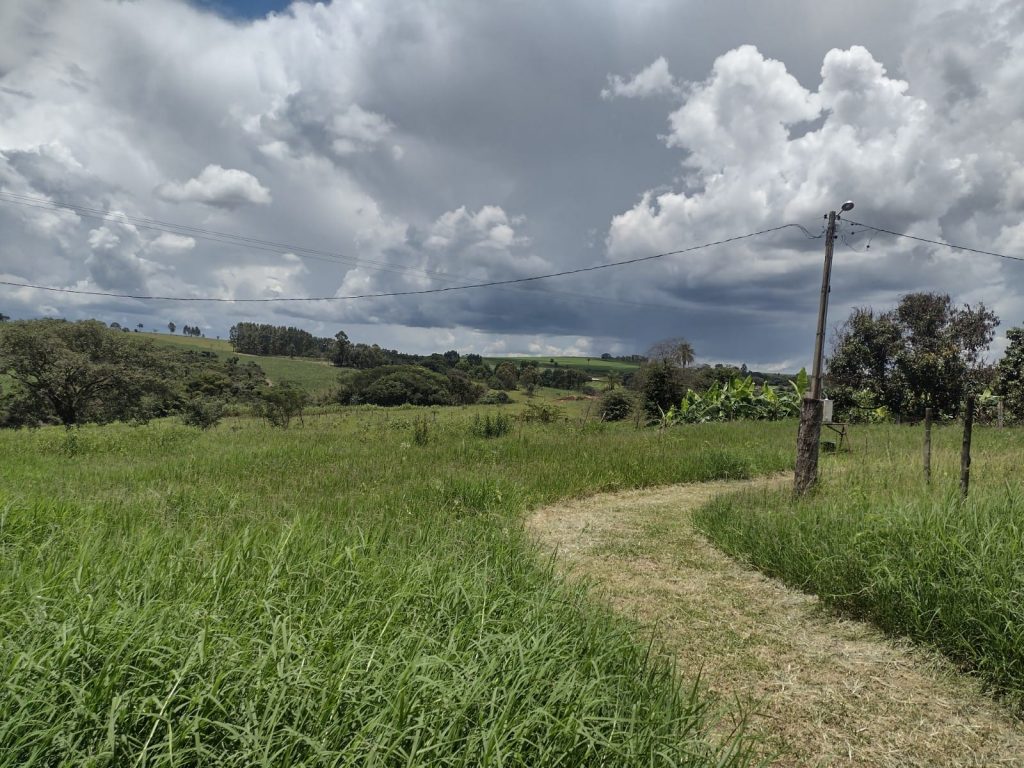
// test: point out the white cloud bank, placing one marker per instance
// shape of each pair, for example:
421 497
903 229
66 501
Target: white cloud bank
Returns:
763 149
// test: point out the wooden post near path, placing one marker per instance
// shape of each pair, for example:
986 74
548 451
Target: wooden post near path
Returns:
965 450
928 445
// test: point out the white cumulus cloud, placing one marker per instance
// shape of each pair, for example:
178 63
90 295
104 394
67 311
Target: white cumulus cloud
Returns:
217 186
653 80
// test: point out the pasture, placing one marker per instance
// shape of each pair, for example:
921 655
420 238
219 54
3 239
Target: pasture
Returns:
355 591
317 377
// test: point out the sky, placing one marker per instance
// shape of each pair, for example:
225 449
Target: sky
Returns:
374 147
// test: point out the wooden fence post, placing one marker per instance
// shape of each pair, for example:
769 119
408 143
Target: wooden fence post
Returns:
999 412
928 445
965 450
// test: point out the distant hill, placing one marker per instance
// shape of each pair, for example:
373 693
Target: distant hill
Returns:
315 376
593 365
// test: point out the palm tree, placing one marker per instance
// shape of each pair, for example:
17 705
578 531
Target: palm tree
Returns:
677 351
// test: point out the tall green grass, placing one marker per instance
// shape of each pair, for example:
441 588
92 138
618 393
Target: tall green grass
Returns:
919 561
333 594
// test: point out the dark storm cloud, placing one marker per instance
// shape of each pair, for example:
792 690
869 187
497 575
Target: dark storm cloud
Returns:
433 144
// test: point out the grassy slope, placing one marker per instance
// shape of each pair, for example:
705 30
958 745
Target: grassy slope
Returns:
329 594
315 376
877 542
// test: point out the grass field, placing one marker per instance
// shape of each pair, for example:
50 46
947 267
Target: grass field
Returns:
315 376
877 543
332 594
594 365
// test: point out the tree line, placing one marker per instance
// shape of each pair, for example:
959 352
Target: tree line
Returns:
73 373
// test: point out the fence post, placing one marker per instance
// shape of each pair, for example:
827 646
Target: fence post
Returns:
965 450
928 445
999 412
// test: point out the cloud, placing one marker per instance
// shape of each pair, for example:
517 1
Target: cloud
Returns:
169 243
761 149
216 186
653 80
113 261
416 146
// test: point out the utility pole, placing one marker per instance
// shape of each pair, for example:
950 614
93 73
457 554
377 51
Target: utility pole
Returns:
809 434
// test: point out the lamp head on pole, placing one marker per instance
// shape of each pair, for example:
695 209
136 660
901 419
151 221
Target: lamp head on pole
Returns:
848 206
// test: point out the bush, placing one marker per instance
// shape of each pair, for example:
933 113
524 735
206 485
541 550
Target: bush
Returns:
494 425
391 385
421 431
496 398
280 404
202 412
616 405
545 413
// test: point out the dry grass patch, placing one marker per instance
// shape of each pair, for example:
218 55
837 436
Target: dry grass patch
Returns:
825 691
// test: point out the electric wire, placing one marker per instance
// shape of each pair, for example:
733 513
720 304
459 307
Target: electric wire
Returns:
937 242
276 248
420 292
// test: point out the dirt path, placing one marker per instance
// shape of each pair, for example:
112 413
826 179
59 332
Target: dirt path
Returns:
828 691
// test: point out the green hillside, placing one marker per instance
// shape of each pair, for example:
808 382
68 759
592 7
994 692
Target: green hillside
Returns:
593 365
316 376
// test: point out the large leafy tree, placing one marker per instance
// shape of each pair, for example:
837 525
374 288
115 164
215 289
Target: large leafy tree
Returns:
79 372
925 352
1010 374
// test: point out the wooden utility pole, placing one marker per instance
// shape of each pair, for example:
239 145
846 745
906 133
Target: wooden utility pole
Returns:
928 445
809 434
965 450
826 288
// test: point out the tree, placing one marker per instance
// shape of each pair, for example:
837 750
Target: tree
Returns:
616 405
505 376
171 327
660 386
1010 374
4 318
78 372
280 404
140 326
395 385
528 378
340 350
676 351
924 353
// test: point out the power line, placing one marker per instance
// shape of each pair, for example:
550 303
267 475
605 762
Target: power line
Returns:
274 247
936 242
447 289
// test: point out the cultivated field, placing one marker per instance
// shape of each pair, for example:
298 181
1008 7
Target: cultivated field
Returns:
355 591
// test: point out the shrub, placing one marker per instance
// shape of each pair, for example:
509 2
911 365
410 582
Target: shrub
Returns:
545 413
421 431
490 425
496 398
280 404
391 385
202 412
616 405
